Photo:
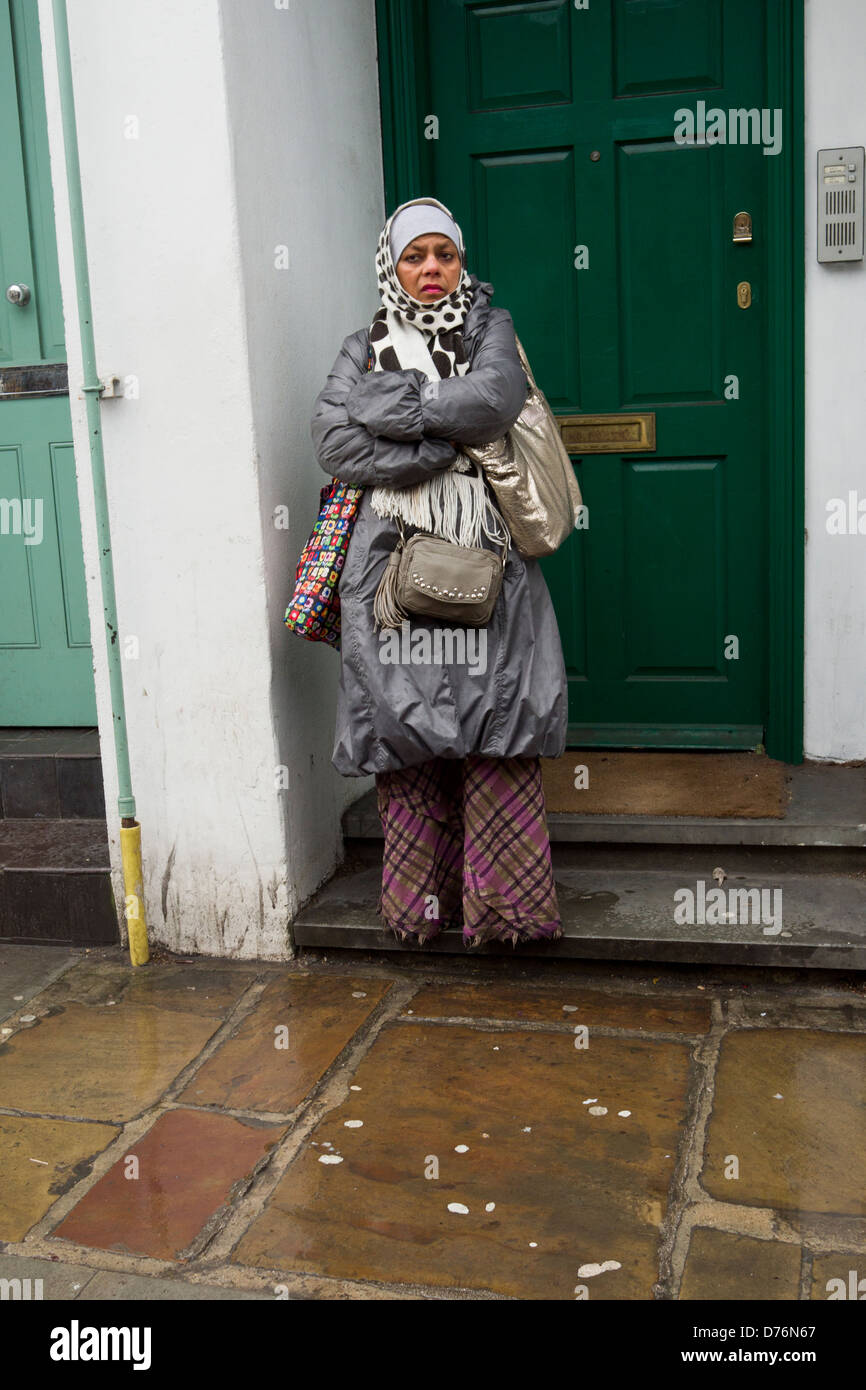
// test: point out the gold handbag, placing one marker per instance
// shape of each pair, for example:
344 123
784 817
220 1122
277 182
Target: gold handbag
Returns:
532 476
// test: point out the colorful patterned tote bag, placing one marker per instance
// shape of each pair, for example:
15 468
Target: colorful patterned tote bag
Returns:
314 609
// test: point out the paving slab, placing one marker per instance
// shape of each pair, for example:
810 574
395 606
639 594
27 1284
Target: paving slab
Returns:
184 1170
108 1287
279 1052
642 1012
25 970
838 1278
739 1268
98 1062
40 1160
201 987
544 1194
788 1122
50 1280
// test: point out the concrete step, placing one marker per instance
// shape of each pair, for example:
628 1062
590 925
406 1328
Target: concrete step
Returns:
55 885
827 808
50 774
815 919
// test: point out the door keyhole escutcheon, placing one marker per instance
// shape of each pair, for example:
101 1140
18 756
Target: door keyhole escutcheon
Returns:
744 294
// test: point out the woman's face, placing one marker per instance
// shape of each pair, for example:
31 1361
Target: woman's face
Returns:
429 267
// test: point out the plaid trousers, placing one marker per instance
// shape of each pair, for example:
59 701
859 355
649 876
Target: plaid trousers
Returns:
466 845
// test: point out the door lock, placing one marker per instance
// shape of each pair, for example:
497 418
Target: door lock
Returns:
744 294
18 294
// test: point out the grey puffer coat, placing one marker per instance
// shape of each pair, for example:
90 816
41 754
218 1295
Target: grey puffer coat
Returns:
506 696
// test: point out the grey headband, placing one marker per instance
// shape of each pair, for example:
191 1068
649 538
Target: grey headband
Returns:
421 219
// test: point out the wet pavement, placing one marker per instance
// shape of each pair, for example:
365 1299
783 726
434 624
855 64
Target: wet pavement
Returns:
351 1127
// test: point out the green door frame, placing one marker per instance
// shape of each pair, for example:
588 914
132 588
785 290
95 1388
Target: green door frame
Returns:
408 172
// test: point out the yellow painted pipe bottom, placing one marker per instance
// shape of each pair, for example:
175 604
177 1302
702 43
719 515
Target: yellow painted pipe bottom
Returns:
133 888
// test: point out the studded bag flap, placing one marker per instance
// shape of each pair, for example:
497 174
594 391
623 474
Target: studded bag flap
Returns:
435 578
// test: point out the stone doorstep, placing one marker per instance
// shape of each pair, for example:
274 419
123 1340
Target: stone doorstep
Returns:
51 774
55 883
628 914
827 808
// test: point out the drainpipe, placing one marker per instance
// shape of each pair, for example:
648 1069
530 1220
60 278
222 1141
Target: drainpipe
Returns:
130 830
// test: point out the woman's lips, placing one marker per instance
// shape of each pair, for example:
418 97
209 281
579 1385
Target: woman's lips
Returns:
437 289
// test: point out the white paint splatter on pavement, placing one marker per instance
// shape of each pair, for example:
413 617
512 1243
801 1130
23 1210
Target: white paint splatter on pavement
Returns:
589 1271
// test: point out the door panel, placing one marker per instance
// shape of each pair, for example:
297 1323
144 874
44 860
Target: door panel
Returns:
45 664
37 173
611 245
46 675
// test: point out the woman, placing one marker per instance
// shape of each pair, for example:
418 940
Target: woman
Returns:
454 745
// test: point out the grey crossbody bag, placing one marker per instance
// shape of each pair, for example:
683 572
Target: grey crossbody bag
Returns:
437 579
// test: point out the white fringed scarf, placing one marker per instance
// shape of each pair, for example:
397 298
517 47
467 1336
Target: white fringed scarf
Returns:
453 503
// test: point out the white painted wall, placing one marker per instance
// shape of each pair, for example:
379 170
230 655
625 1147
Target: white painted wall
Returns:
216 438
835 402
304 118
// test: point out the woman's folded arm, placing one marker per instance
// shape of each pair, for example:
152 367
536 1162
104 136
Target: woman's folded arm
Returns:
481 406
473 409
350 451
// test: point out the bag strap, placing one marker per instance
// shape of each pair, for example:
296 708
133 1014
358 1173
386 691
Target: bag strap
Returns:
524 361
501 552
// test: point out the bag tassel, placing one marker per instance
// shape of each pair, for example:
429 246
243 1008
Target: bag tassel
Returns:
386 607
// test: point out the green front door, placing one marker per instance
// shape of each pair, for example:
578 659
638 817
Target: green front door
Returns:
554 133
46 676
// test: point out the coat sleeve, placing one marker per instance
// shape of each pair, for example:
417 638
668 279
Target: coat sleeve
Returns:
468 410
352 453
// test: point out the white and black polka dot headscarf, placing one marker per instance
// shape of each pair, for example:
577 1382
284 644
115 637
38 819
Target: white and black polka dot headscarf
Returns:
441 323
